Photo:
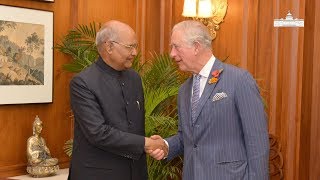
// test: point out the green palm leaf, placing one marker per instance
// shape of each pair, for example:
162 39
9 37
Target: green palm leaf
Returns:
79 43
164 126
154 97
161 81
160 71
68 147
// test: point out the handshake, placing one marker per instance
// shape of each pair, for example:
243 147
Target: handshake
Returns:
156 147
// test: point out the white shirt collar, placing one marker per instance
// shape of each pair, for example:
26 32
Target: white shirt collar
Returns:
205 71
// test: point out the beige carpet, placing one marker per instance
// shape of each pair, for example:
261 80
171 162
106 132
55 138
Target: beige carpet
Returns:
61 175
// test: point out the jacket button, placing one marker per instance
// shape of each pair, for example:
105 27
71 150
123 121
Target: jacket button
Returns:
195 146
122 84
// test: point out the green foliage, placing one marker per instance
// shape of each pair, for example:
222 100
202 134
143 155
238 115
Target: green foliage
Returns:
79 43
160 78
161 81
68 147
159 170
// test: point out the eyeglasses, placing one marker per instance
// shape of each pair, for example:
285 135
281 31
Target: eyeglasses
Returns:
130 47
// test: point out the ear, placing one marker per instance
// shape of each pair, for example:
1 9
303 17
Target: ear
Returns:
109 47
197 47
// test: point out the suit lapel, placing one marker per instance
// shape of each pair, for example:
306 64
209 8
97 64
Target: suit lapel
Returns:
208 87
187 99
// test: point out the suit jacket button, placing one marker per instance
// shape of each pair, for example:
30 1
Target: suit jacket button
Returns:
195 146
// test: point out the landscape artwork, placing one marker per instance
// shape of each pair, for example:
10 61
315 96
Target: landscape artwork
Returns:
26 55
47 0
21 53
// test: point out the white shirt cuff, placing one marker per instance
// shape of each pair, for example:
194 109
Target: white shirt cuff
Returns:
167 147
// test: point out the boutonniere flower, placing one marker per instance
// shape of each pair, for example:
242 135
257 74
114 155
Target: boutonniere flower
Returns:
215 76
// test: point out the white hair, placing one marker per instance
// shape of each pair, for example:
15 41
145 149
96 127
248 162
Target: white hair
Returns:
107 33
194 31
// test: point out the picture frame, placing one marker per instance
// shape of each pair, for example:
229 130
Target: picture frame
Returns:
51 1
26 55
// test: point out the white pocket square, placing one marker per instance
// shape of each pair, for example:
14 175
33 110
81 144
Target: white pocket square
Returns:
219 96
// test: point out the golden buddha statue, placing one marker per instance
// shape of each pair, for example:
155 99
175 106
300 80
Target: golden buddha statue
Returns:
40 162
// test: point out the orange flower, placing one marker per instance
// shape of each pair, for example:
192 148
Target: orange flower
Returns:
215 76
213 80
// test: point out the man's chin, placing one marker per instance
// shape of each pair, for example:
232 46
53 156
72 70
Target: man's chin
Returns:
128 65
181 68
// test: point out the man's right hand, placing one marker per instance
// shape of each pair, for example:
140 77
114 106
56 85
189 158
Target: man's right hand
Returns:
156 147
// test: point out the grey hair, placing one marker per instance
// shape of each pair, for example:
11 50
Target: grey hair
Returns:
194 31
107 33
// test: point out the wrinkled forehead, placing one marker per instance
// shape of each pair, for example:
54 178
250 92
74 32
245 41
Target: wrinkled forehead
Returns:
177 37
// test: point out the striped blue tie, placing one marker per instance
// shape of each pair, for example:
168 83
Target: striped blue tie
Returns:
196 95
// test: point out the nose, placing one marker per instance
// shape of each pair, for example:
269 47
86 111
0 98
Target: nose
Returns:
173 53
134 51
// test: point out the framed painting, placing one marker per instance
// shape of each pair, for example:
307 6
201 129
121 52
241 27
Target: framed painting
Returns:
26 55
46 0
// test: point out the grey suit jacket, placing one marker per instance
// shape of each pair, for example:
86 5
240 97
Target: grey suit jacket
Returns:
229 137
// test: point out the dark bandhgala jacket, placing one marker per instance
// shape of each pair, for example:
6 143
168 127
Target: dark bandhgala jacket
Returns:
108 107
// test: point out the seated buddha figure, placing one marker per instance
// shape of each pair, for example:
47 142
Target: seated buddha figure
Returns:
40 162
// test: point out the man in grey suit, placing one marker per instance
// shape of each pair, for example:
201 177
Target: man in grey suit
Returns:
108 105
222 124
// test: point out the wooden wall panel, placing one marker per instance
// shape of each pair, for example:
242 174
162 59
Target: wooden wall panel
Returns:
228 43
101 11
138 14
314 163
310 115
286 118
165 24
16 120
148 20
